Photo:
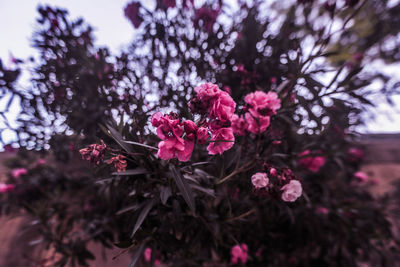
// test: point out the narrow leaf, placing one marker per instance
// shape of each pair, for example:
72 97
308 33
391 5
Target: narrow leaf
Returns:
139 144
118 138
137 255
142 216
165 193
184 188
136 171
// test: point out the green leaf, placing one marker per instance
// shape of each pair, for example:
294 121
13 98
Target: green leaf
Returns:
142 216
139 144
184 188
165 193
119 139
137 255
136 171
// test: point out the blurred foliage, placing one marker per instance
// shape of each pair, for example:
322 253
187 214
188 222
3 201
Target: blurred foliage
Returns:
312 55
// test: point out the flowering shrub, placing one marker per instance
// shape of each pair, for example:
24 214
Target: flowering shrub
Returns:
179 171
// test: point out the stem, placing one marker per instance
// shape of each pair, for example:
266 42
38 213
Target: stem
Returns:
244 168
242 215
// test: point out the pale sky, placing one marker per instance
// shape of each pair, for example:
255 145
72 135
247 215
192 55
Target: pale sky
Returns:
111 29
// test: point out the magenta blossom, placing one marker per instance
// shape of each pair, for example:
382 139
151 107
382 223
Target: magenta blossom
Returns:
207 91
170 131
312 163
239 125
239 253
132 13
259 180
223 107
4 188
202 135
361 176
291 191
16 173
257 125
221 140
262 104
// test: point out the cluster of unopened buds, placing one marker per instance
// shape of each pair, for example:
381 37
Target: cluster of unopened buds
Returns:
276 181
95 154
217 118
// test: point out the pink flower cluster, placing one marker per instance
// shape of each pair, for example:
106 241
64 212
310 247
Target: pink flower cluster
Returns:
94 153
281 182
239 253
261 106
178 138
311 163
132 13
4 188
170 130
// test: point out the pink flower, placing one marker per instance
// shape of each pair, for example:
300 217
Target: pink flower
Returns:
322 210
202 135
239 253
222 140
312 163
16 173
262 104
273 172
239 125
223 107
257 125
259 180
132 13
94 153
207 91
291 191
361 176
170 131
190 127
4 188
175 148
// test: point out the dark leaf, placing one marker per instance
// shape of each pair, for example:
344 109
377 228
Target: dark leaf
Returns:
142 216
137 255
184 188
